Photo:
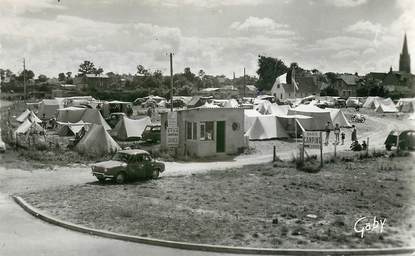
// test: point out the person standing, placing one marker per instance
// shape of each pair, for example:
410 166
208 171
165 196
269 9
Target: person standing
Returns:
343 137
337 133
354 133
327 129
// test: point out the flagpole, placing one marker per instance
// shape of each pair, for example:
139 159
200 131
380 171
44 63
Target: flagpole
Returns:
295 112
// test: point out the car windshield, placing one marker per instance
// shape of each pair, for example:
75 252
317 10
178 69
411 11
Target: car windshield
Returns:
120 157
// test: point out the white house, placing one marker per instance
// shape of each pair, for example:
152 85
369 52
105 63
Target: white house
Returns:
281 90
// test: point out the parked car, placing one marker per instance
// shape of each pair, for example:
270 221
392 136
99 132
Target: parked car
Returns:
2 146
126 165
340 103
406 140
152 133
358 118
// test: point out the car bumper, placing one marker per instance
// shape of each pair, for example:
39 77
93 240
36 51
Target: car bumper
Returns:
102 175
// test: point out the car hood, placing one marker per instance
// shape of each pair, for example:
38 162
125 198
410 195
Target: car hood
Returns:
110 164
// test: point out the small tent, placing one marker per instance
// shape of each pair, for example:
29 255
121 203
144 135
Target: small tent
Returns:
279 110
70 129
74 115
338 117
319 117
28 114
29 126
250 117
128 128
266 127
264 107
209 105
97 142
386 106
372 102
406 105
48 108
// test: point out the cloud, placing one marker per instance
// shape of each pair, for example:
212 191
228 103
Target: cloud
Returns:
365 26
345 54
16 7
261 26
346 3
203 3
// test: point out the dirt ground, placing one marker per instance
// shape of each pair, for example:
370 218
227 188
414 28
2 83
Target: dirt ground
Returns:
255 206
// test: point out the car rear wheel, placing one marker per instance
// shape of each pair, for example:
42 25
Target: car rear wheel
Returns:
155 174
120 178
101 179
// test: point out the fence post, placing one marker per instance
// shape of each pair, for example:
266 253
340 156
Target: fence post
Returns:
274 158
367 146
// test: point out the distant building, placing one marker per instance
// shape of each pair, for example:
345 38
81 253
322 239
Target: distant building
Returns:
92 80
225 92
308 84
250 91
346 85
405 58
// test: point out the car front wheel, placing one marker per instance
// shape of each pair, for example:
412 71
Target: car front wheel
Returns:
155 174
120 178
388 147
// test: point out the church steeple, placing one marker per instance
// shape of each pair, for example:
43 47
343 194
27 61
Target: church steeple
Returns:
405 59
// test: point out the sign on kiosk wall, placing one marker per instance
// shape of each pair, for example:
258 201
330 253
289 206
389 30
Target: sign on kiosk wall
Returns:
312 139
172 130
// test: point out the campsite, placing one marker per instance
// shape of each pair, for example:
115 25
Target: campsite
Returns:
207 127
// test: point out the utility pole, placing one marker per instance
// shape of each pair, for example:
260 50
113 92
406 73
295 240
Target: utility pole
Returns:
171 82
244 83
24 78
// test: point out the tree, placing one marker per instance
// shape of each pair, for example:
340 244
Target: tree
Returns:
201 73
42 78
269 69
188 74
68 74
87 67
28 75
141 70
61 77
98 71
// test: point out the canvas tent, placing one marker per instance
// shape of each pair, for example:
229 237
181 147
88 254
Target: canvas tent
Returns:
28 126
338 117
406 105
97 142
28 114
250 117
48 108
209 105
74 115
372 102
319 117
71 129
266 127
386 106
128 128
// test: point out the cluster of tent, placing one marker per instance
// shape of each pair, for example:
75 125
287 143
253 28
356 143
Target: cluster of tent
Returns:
271 121
380 105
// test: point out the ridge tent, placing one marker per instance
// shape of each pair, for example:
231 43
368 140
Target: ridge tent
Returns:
372 102
28 114
264 107
71 129
128 128
48 108
319 117
209 105
386 106
28 126
279 110
250 117
97 142
266 127
338 117
88 115
406 105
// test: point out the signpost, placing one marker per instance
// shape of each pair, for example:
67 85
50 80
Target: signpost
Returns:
172 130
313 140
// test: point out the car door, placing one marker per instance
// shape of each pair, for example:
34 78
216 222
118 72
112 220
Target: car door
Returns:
147 166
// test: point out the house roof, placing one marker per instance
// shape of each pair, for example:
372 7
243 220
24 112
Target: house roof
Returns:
251 88
96 76
349 79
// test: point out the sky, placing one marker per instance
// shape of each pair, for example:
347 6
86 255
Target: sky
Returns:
218 36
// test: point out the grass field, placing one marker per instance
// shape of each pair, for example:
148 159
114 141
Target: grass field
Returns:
256 206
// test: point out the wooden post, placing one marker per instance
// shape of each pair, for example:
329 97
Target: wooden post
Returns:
321 149
335 149
274 158
367 146
397 143
302 149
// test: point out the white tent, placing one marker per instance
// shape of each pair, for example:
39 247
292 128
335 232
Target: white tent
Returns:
338 117
406 105
266 127
209 105
74 115
372 102
319 117
28 126
97 142
71 129
263 107
250 117
386 106
128 128
279 110
28 114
